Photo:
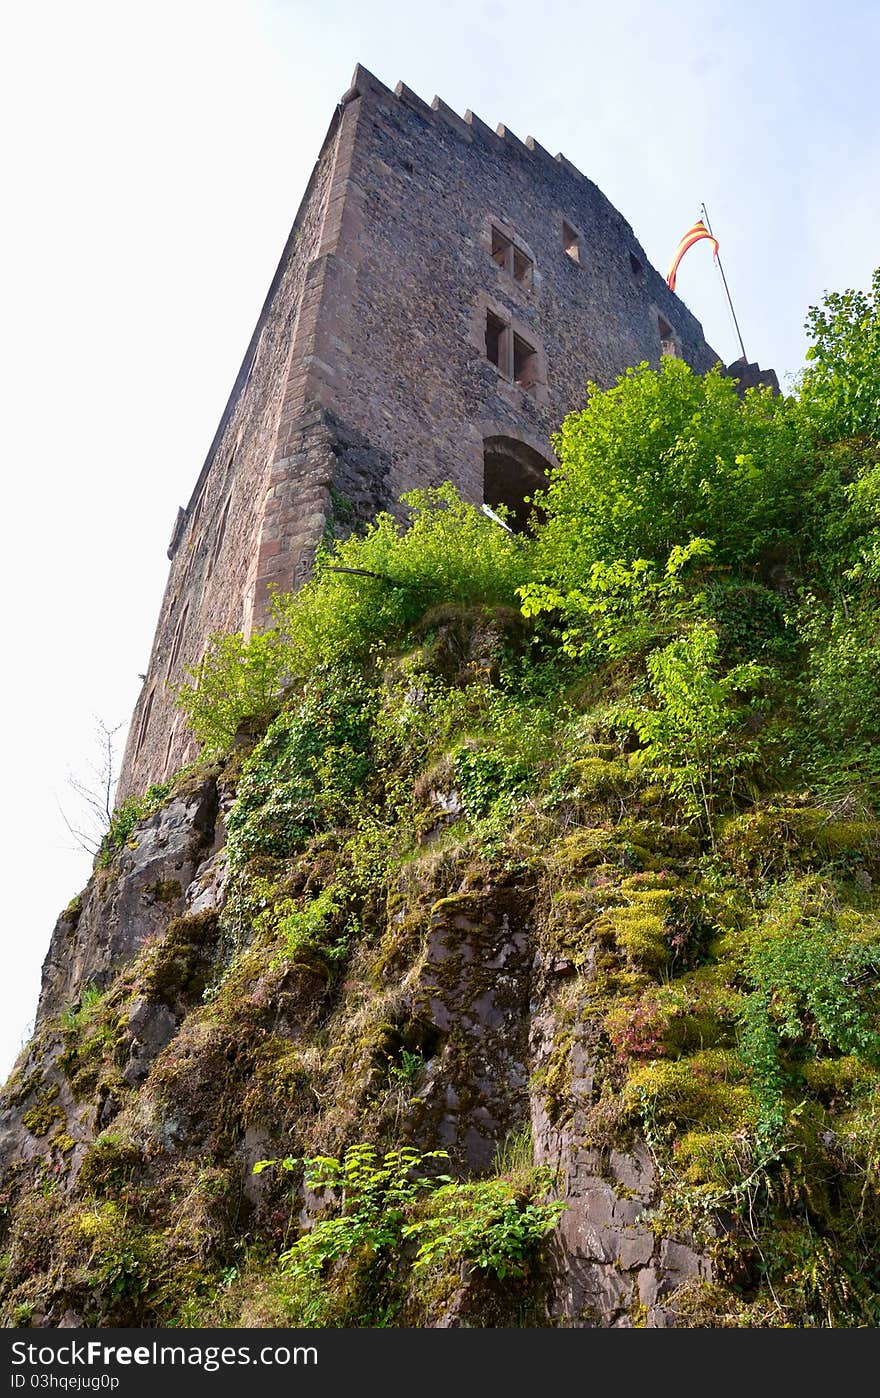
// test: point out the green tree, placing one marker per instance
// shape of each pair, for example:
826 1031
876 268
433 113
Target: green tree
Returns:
663 457
695 738
235 680
840 389
370 590
621 608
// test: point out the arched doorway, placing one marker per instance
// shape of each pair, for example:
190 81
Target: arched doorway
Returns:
512 472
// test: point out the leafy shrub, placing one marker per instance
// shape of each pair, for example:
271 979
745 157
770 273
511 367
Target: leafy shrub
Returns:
840 708
694 738
446 551
840 390
663 457
814 979
236 680
620 608
752 621
376 1205
374 1197
487 1224
486 777
314 759
366 592
309 926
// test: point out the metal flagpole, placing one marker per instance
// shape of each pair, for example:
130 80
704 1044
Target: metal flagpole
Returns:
726 287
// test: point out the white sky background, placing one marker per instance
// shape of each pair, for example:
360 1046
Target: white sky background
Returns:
154 157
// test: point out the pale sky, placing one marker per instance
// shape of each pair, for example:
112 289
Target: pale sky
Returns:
154 159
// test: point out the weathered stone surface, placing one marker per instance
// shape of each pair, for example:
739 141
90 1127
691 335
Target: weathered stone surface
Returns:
634 1170
481 1004
608 1261
474 990
142 888
167 868
151 1027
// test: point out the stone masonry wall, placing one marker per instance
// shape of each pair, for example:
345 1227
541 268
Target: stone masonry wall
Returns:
408 347
368 372
216 543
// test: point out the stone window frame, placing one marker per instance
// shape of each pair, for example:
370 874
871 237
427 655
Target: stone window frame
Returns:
146 714
669 343
493 225
177 640
220 535
520 329
170 744
572 240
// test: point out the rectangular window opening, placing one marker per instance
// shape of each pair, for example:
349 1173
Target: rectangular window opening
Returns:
525 363
522 267
667 338
570 242
501 246
145 721
495 329
512 259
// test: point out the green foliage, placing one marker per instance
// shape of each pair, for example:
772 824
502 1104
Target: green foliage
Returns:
237 680
752 621
308 926
840 390
367 592
661 458
840 703
409 1069
374 1197
487 777
308 769
860 522
620 608
487 1224
369 1198
694 738
377 1205
813 976
446 551
126 816
79 1016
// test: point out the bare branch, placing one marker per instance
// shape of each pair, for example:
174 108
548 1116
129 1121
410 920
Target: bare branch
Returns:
94 793
364 573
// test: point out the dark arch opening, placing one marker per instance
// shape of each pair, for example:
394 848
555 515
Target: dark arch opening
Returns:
512 472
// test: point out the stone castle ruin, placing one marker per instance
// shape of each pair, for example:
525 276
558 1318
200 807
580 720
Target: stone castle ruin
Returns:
443 298
445 295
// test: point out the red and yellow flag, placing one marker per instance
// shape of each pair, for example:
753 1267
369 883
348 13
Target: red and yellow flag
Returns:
693 235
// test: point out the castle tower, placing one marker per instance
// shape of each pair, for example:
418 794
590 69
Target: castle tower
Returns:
445 294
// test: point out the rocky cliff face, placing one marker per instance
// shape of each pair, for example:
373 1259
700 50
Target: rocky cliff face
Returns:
131 899
344 938
173 1049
